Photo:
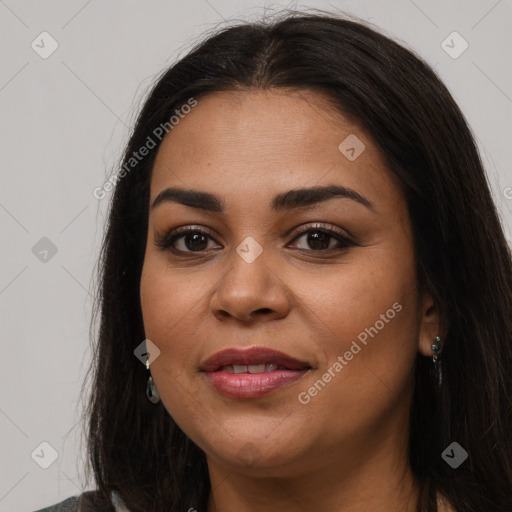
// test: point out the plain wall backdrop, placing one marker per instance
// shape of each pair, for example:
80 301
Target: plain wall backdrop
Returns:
65 117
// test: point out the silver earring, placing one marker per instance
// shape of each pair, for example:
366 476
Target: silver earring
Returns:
437 348
151 391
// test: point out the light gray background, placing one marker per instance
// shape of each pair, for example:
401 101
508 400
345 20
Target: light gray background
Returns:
63 124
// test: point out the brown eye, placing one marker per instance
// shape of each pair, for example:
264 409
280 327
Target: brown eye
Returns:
320 238
194 240
184 240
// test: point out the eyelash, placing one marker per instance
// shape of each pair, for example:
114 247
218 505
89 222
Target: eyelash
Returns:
166 241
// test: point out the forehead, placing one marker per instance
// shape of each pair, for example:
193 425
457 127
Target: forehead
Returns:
267 141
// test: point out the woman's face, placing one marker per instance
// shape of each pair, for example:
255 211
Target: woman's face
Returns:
346 307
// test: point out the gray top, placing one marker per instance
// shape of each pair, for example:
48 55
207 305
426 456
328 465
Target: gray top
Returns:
85 503
68 505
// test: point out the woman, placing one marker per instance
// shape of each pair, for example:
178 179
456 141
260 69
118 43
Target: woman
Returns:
303 251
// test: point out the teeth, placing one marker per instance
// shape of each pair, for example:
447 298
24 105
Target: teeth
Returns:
252 368
256 368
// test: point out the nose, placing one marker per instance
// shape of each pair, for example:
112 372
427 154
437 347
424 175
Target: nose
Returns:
250 291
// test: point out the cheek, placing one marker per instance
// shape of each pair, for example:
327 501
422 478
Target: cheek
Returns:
169 305
370 311
170 302
167 297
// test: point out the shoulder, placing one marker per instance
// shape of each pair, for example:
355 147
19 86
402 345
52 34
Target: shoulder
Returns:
68 505
85 502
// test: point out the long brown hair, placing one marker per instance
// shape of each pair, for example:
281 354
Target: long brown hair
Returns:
462 259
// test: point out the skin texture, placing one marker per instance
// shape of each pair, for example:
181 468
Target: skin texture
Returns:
346 449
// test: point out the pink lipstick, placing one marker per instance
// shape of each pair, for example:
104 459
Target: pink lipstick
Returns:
253 372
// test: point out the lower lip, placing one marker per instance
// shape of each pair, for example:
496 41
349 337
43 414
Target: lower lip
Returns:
252 385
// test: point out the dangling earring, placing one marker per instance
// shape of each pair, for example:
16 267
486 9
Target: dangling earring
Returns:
151 391
437 348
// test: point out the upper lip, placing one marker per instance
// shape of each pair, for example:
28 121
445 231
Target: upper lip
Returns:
253 355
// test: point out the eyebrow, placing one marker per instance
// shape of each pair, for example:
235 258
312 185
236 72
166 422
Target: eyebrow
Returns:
296 198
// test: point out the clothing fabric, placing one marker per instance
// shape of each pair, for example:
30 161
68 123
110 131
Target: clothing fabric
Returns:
68 505
85 503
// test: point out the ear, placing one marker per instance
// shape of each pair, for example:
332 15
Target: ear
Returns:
430 325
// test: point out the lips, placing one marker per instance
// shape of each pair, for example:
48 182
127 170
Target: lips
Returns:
251 357
252 373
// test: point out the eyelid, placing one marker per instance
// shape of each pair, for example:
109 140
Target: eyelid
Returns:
324 226
166 240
